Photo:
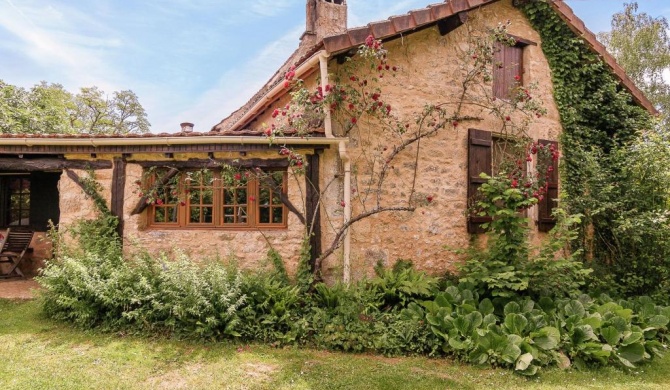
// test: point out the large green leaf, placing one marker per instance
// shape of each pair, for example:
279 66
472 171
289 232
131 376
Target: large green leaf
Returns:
511 353
594 320
611 335
657 321
547 338
574 308
582 334
489 320
512 307
486 307
632 352
631 337
515 323
523 362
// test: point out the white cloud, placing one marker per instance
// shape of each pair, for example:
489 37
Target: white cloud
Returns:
233 89
52 39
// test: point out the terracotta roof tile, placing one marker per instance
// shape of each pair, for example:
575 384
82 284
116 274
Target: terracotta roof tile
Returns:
336 43
440 11
358 35
421 16
403 22
382 29
459 5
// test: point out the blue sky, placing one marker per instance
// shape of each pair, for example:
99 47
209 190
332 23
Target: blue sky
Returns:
187 60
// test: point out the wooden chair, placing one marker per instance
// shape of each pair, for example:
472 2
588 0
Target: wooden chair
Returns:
14 247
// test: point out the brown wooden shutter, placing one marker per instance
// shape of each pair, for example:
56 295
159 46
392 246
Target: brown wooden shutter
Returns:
545 221
479 161
507 64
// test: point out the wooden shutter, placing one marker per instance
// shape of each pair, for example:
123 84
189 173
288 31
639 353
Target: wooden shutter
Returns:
507 64
479 161
545 221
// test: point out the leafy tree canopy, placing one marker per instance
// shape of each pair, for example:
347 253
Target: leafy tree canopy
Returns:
50 109
641 45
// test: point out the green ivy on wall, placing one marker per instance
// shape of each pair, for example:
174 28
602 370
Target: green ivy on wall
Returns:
600 124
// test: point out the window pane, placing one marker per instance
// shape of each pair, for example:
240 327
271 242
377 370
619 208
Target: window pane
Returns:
194 215
264 215
264 198
277 215
159 215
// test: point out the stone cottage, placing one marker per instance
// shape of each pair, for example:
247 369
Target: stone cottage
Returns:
171 190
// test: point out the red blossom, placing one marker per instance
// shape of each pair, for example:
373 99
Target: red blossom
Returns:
353 120
429 198
507 118
238 176
275 113
252 199
518 78
342 203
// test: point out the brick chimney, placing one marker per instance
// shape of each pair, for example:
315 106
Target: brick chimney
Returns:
324 18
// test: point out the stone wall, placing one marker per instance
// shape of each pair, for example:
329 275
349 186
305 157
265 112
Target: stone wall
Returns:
429 72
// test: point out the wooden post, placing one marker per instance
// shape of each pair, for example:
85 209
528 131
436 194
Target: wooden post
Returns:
118 192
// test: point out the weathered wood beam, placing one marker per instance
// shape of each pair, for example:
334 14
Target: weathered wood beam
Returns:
212 164
312 205
50 164
142 203
118 192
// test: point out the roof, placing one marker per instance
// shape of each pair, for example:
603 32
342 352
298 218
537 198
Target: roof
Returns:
413 20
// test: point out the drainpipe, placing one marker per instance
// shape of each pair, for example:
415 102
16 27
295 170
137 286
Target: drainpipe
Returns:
346 161
323 66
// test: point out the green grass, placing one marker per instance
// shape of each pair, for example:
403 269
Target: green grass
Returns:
36 353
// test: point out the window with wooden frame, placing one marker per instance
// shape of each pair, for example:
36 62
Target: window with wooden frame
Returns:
15 200
508 67
487 154
205 199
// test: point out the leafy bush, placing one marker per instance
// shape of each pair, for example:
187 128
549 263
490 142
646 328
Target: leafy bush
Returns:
506 266
525 335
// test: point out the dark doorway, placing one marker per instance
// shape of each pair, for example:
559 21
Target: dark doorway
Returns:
29 199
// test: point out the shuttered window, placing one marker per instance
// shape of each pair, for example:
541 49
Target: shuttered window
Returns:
507 69
545 220
480 161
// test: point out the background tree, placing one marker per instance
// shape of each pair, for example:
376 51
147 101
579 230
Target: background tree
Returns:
50 109
641 45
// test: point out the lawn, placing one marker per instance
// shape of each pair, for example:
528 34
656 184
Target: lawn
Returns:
37 353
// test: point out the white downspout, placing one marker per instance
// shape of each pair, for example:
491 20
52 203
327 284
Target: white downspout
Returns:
344 155
323 65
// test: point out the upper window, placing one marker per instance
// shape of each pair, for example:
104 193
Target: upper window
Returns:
204 199
507 69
